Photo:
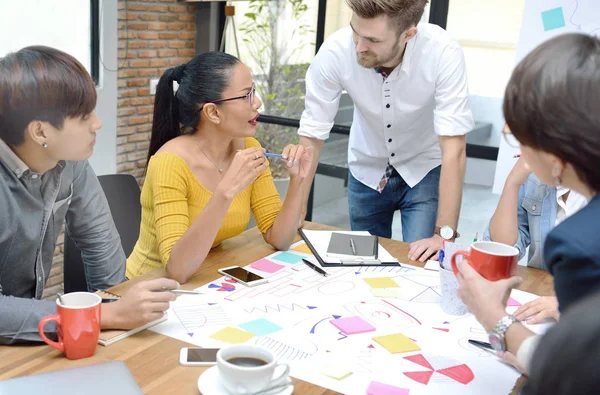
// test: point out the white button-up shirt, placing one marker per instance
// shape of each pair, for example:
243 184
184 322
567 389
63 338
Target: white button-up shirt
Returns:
397 119
574 203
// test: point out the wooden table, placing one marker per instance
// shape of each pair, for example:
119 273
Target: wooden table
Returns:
153 359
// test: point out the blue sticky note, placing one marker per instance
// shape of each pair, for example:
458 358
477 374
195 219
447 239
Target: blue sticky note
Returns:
553 19
288 257
260 327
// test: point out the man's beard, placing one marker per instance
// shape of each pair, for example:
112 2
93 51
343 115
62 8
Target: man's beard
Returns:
369 60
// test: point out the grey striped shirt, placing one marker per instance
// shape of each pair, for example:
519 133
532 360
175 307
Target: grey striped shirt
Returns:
33 208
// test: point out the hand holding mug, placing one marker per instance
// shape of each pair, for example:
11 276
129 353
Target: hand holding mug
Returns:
494 261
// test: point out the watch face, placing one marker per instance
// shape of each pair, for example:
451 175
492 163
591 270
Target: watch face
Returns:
446 232
496 343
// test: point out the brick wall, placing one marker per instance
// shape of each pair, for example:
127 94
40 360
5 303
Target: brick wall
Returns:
153 36
55 283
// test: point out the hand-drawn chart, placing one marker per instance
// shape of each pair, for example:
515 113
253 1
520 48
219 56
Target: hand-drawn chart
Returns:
420 287
382 313
288 348
307 319
194 317
439 369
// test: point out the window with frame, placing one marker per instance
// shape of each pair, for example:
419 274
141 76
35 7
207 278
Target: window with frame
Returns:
69 25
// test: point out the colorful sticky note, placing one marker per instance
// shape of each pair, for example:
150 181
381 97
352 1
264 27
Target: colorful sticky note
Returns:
335 371
265 265
397 343
376 388
352 325
288 257
302 248
387 292
232 335
381 282
553 19
260 327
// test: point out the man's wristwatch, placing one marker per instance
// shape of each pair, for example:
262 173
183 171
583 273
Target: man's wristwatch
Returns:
496 336
446 232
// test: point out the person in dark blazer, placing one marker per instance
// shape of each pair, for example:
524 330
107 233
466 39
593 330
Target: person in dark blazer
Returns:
552 107
558 369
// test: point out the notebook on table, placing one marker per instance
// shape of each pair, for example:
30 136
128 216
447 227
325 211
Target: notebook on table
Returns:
318 242
350 246
100 379
110 336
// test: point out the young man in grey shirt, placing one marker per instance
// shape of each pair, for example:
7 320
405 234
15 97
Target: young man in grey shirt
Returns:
47 133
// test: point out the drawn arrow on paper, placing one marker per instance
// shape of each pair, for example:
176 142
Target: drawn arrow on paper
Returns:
335 317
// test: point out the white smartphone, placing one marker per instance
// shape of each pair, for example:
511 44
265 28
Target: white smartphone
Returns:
192 356
243 276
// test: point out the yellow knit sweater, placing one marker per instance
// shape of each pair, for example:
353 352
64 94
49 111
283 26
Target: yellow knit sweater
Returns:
171 200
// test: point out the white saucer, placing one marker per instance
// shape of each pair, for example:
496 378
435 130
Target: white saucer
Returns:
209 383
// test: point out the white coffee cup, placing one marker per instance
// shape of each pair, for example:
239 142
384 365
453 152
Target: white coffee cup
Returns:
245 369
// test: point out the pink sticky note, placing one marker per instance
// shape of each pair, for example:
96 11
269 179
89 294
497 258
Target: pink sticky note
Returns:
513 302
376 388
265 265
352 325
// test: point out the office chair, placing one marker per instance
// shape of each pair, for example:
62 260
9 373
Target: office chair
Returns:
123 194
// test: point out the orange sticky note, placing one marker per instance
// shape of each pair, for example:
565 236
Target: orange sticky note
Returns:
302 248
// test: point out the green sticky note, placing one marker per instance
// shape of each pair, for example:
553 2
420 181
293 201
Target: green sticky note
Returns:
381 282
553 19
233 335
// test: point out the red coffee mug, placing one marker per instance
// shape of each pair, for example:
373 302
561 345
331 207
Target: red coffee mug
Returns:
78 324
494 261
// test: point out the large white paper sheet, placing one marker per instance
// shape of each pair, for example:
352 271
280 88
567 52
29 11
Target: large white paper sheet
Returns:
290 315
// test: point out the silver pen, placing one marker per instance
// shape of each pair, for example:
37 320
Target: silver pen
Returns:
187 292
352 246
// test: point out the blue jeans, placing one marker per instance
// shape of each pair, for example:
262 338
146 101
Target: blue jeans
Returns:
373 211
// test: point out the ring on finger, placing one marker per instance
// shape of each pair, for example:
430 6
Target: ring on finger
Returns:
255 155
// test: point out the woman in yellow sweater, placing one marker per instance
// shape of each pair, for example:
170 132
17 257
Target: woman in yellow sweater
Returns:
205 172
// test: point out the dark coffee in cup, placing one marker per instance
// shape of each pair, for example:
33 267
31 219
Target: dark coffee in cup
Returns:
247 362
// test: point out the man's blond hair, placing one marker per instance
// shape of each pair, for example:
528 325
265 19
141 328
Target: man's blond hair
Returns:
403 13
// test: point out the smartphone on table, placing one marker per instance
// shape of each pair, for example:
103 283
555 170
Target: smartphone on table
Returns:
197 356
243 276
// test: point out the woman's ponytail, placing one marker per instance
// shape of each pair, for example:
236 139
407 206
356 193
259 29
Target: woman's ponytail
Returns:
165 123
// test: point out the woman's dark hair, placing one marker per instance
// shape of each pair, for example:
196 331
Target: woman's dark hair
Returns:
41 84
567 358
552 102
203 79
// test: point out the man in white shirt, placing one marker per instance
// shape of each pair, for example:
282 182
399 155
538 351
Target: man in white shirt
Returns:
407 139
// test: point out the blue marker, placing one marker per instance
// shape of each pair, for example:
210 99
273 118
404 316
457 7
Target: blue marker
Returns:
441 258
273 155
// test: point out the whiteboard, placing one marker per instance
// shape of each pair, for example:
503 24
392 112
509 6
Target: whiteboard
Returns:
542 20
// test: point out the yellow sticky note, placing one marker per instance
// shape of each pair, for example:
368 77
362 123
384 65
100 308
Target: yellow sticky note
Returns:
381 282
397 343
335 371
233 335
302 248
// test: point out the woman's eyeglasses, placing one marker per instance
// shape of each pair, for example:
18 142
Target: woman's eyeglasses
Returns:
250 96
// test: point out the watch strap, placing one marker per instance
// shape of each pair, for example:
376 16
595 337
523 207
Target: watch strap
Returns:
502 326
